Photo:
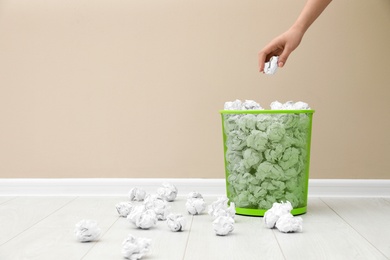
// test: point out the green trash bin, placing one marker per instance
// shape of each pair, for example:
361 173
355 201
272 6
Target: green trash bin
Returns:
267 158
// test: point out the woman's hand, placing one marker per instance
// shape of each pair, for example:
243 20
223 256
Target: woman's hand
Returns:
281 46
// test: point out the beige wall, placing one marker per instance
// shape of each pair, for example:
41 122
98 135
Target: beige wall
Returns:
132 88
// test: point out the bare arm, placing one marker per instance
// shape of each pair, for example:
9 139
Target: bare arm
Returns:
288 41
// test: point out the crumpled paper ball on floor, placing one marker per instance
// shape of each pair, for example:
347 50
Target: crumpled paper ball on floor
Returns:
220 207
137 194
195 206
135 247
223 225
87 230
124 208
159 205
176 222
288 223
272 215
168 191
142 218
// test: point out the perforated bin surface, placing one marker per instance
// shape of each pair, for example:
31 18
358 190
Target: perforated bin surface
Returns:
267 158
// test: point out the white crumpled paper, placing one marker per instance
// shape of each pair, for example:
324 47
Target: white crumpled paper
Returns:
223 225
124 208
176 222
250 105
87 230
220 208
239 105
271 66
289 105
279 216
135 212
195 206
288 223
135 247
300 105
159 205
233 105
137 194
142 218
272 215
276 105
168 191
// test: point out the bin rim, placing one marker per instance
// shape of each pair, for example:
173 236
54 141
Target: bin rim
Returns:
269 111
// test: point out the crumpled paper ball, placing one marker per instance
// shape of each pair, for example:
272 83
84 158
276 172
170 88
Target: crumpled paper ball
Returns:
276 105
268 170
271 66
87 230
257 140
195 206
135 212
288 223
137 194
234 157
272 215
168 191
223 225
194 194
135 247
239 105
250 105
289 105
146 219
251 158
276 132
246 123
220 208
124 208
142 218
233 105
290 157
237 140
274 154
159 205
176 222
300 105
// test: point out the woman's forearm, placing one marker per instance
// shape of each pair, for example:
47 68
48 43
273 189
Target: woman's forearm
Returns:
310 12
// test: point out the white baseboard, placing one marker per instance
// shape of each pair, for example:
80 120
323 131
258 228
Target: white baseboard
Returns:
349 188
207 187
104 186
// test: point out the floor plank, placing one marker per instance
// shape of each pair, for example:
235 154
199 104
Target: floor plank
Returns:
17 215
368 216
45 243
96 208
325 236
248 240
4 199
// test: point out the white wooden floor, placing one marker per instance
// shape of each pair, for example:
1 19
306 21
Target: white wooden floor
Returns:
334 228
